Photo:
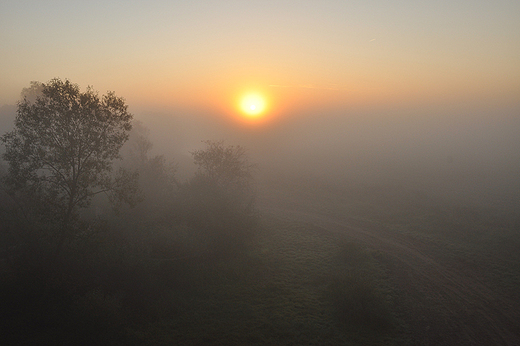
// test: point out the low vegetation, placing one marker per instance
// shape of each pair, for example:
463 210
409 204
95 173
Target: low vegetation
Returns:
290 285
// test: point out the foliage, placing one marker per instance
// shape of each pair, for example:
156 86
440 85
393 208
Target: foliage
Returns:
224 173
225 166
156 175
219 199
61 154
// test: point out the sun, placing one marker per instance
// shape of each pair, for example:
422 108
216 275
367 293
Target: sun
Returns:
253 105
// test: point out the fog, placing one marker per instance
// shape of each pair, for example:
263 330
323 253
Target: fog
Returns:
365 224
463 153
263 173
468 154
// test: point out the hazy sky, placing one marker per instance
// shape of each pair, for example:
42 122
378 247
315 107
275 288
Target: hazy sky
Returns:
299 54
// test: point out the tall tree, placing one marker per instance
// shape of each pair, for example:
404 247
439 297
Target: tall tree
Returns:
61 153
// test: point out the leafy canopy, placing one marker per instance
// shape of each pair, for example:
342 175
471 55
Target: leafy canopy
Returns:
226 166
63 145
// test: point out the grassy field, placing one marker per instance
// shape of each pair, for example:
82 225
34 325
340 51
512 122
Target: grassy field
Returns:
455 263
326 266
295 286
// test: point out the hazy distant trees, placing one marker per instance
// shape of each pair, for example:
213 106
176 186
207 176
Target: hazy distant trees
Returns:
226 172
157 180
31 93
61 154
219 199
227 166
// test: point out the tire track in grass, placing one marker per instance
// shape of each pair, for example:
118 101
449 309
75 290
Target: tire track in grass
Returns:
465 310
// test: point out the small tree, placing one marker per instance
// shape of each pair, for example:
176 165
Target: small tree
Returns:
220 197
226 166
61 151
157 180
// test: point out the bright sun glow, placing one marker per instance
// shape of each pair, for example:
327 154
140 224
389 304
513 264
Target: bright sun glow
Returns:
253 105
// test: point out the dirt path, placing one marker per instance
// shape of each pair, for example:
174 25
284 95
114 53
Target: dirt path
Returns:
444 304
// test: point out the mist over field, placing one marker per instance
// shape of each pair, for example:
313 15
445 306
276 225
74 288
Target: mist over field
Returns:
259 173
467 154
368 198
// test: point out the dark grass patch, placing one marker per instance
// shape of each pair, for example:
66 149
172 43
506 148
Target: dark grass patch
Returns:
292 285
290 288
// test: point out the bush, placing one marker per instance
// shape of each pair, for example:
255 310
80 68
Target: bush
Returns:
218 202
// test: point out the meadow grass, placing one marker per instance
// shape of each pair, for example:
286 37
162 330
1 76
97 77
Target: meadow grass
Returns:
293 286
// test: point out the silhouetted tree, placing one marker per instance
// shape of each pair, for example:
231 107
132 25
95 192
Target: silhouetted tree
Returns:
157 181
220 197
225 166
61 154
